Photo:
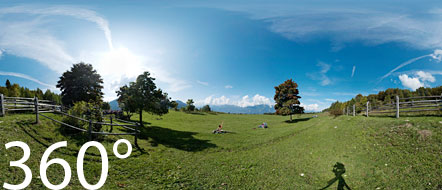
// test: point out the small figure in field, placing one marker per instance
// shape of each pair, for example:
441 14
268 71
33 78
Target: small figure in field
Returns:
263 125
219 129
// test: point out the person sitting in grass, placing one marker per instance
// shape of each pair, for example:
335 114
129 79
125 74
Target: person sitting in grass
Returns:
263 125
219 129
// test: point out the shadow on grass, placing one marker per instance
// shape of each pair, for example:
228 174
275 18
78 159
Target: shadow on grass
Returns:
28 128
298 120
338 170
182 140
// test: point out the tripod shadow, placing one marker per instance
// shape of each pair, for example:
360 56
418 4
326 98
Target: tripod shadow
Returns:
338 169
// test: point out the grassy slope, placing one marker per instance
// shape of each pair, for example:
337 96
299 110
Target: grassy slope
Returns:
181 152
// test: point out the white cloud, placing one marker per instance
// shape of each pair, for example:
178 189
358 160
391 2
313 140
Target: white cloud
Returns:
353 71
344 93
228 86
202 83
1 53
241 102
20 75
330 100
410 82
311 107
437 54
321 75
424 76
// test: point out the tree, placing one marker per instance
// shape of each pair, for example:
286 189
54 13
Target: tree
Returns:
8 84
190 106
174 105
143 95
206 108
80 83
105 106
286 98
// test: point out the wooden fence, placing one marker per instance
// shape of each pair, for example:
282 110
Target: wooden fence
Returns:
401 105
39 107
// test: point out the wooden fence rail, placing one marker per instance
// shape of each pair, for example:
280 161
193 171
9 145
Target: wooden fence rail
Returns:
11 104
411 104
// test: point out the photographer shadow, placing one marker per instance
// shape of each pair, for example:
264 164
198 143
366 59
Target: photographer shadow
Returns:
338 170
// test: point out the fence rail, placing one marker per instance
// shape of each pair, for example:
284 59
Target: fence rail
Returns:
399 105
10 104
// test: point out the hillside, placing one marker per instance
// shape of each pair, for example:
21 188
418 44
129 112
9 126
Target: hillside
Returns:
180 152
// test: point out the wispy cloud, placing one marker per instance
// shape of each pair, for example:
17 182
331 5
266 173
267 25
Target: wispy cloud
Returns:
344 93
228 86
202 83
347 23
330 100
31 37
27 77
321 75
353 71
76 12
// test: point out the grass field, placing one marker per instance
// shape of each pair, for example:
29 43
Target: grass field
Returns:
180 152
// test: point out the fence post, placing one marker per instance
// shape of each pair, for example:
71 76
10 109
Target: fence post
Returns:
89 130
343 111
368 102
397 106
137 128
112 127
2 104
36 110
348 110
354 110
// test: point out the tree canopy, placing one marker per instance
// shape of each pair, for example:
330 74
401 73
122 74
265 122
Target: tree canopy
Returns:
143 95
16 90
287 99
80 83
190 106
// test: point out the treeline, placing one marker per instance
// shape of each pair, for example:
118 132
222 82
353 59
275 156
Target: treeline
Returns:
16 90
382 98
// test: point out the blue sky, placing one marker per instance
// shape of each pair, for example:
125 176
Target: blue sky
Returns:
228 52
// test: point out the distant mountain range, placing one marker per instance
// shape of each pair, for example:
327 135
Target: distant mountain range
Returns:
258 109
114 105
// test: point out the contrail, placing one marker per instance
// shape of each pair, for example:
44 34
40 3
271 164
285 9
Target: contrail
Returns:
79 13
437 55
403 65
20 75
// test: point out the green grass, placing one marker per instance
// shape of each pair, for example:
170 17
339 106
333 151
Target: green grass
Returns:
180 152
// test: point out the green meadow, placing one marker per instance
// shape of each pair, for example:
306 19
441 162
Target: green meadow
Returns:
179 151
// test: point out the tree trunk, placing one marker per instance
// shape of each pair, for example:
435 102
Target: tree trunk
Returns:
141 117
290 117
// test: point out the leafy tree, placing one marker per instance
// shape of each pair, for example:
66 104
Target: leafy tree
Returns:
105 106
80 83
143 95
174 105
190 106
14 91
8 84
287 99
206 108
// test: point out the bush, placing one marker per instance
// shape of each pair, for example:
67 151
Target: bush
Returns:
206 108
86 111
